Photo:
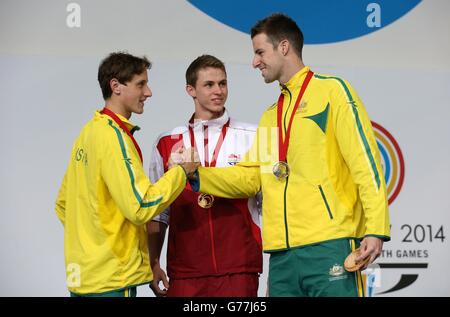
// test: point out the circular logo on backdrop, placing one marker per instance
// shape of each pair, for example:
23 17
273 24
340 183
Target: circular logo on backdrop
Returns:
391 159
321 21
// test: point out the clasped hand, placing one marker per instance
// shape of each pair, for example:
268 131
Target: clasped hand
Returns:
188 159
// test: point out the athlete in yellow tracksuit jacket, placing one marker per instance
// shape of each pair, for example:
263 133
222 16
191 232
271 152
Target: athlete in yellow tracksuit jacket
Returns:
334 195
336 188
104 202
334 172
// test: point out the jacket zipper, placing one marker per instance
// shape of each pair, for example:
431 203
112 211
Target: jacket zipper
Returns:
326 202
287 178
287 110
211 234
211 231
285 214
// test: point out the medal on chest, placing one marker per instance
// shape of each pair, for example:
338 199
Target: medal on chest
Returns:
206 200
281 168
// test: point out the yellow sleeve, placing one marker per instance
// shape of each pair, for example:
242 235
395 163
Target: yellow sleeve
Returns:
240 181
358 146
138 199
230 182
60 205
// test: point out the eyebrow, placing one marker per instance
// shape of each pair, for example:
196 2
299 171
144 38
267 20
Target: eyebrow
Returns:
206 82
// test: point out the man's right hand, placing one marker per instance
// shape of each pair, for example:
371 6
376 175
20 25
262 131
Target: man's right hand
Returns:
188 159
159 276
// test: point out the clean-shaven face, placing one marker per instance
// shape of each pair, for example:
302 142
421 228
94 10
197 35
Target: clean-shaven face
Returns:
134 93
267 58
210 91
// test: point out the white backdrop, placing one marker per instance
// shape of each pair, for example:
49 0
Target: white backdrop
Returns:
49 90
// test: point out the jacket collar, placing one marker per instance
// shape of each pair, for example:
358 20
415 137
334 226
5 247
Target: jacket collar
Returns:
296 80
218 122
133 128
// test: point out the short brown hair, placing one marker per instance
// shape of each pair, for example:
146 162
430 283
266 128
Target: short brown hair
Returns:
280 27
123 67
201 62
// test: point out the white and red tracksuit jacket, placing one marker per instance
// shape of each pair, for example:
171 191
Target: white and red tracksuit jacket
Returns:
220 240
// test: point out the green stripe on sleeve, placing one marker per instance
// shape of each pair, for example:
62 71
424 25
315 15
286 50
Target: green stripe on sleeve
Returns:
142 203
359 126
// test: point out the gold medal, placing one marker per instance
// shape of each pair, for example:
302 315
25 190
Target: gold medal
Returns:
280 170
205 200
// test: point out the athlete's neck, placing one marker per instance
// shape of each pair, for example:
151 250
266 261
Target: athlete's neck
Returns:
118 109
207 115
290 70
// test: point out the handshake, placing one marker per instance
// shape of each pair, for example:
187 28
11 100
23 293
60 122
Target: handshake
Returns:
188 159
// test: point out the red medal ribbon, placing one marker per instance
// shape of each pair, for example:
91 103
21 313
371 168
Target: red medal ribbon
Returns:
283 146
205 140
124 128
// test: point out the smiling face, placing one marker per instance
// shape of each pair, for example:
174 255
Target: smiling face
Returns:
133 94
210 93
268 59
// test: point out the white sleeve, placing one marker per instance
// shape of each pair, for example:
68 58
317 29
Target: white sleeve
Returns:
156 171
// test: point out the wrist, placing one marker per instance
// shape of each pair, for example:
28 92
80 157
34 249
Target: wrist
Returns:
189 175
154 263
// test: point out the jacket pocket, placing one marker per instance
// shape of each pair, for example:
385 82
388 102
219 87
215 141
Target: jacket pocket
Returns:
326 202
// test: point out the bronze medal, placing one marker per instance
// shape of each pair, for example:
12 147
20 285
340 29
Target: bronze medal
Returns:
350 262
205 200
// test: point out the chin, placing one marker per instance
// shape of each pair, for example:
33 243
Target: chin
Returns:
268 80
218 109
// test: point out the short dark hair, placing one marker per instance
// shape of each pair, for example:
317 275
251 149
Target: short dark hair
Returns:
123 67
280 27
201 62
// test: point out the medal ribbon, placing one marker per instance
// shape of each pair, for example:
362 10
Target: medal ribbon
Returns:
283 146
124 128
205 140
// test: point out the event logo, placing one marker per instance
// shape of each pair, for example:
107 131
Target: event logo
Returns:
405 279
392 161
321 21
233 159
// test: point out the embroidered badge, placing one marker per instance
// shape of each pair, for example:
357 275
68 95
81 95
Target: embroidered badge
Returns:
233 159
302 107
336 270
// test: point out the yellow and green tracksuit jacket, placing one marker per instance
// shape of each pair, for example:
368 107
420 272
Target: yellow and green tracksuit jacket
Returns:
104 202
336 188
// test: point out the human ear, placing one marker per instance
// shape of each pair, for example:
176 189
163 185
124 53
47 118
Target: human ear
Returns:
284 47
191 91
115 86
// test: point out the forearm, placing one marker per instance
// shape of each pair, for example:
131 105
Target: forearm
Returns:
160 195
156 235
229 182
